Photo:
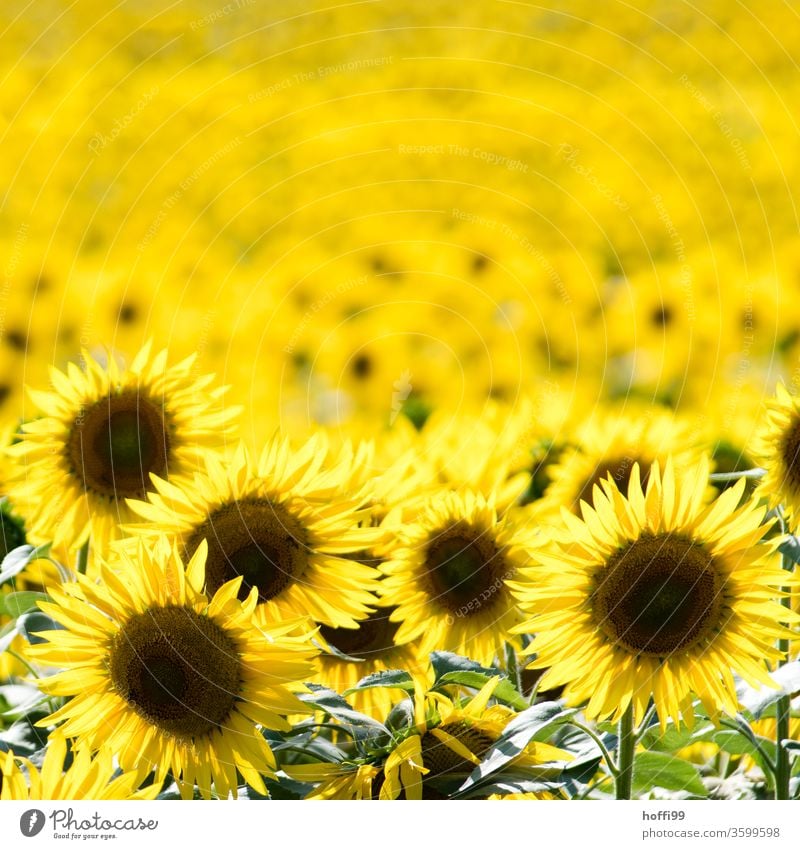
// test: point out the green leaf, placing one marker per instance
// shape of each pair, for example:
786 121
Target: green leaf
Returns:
29 624
505 691
17 559
359 724
657 769
535 723
787 677
17 604
449 668
23 738
674 738
736 743
388 678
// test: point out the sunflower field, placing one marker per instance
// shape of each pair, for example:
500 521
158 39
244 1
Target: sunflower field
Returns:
399 400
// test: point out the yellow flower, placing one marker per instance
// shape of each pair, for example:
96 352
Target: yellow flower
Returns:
655 595
283 524
778 451
103 431
168 677
447 577
86 777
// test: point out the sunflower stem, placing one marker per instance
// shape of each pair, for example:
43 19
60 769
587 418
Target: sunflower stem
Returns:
626 749
83 558
783 767
607 757
512 667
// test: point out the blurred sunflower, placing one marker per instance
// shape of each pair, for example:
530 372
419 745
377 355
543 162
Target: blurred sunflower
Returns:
656 595
612 445
778 451
86 777
446 577
281 525
169 678
103 432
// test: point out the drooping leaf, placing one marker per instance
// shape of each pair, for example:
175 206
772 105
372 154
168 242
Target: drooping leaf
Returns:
18 558
390 678
535 723
19 603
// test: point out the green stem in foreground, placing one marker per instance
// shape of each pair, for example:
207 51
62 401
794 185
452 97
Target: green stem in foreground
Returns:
83 558
783 767
512 667
627 747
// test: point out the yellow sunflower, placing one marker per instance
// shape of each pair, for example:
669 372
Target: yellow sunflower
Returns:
372 648
86 777
446 577
656 595
778 451
102 432
611 445
169 678
281 524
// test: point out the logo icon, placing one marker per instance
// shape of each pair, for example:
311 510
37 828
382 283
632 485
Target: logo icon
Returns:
31 822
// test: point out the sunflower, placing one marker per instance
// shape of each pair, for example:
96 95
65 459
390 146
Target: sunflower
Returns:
434 757
103 431
611 445
778 451
281 524
169 678
364 650
86 777
446 577
655 595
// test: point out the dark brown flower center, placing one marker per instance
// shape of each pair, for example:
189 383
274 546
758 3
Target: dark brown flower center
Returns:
620 469
177 670
790 454
659 595
464 570
257 539
373 637
440 759
117 442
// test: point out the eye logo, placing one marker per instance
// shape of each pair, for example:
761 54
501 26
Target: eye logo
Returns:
31 822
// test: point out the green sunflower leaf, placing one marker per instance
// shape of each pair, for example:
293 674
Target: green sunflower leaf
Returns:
787 677
339 708
658 769
449 668
736 743
535 723
387 678
17 604
29 624
17 559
